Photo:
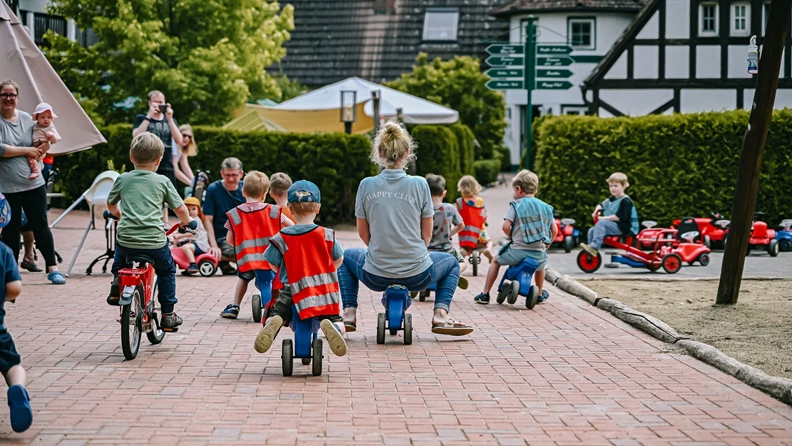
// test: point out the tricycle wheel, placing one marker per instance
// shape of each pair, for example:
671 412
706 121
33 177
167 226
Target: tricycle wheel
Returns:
533 297
317 357
306 361
407 329
588 263
381 328
504 292
568 244
785 245
207 268
515 292
672 263
772 248
255 300
707 241
704 259
287 357
474 260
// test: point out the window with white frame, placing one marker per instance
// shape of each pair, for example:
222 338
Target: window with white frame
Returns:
708 19
441 25
580 33
573 110
740 19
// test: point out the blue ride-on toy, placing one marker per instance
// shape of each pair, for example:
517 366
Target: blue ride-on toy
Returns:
306 345
784 235
395 318
516 282
427 292
261 301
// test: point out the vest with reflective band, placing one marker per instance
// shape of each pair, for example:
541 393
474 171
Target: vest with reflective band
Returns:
474 219
612 207
252 233
533 222
308 259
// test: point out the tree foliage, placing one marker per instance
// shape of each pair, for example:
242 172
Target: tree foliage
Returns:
207 56
459 84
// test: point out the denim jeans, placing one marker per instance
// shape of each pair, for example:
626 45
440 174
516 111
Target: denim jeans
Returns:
444 271
602 229
163 266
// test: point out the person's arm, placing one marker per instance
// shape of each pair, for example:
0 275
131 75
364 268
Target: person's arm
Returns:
285 221
184 164
338 262
364 232
427 224
178 173
114 209
184 215
230 236
8 151
457 229
507 228
13 290
143 124
174 127
553 232
214 250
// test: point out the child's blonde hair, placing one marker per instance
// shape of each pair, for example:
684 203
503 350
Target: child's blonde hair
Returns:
280 183
146 149
393 146
303 207
527 181
468 186
618 177
255 185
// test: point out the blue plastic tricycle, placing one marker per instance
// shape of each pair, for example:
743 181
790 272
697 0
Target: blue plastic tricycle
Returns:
784 235
396 301
306 345
427 292
516 282
264 280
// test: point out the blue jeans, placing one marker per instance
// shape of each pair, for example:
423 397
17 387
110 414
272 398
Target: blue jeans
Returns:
602 229
163 266
444 271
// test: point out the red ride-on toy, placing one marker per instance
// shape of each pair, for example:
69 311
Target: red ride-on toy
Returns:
207 264
762 236
567 237
713 229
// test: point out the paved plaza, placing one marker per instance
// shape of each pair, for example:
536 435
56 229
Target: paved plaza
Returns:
562 374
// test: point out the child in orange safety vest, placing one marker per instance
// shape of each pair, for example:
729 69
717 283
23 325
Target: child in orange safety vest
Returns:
474 215
306 257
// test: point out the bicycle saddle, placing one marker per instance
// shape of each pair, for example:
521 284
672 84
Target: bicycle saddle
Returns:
142 259
648 224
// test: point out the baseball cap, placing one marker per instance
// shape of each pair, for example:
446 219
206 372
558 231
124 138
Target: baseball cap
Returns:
304 191
41 108
193 201
5 211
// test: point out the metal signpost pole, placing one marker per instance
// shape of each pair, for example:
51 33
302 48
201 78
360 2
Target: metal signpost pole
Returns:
530 70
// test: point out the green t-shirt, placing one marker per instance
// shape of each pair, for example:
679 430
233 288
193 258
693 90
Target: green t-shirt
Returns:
142 193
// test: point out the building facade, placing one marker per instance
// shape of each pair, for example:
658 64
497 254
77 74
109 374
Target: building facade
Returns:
34 16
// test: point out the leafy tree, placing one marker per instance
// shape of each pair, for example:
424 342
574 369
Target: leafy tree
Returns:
207 56
459 84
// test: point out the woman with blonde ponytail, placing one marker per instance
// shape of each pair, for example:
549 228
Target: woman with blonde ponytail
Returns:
394 218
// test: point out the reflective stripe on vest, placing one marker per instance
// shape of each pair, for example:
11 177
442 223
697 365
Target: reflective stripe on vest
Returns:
534 220
308 259
313 281
474 218
252 233
313 304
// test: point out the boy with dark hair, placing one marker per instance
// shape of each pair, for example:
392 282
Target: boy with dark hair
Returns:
447 221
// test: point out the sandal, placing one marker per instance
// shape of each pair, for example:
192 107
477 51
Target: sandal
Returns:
30 266
451 327
463 283
56 277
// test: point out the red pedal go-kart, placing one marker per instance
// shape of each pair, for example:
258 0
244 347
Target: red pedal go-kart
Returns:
762 236
207 264
670 248
714 229
567 236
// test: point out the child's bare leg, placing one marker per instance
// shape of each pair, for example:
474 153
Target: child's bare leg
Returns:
492 275
539 278
189 251
34 168
16 375
241 289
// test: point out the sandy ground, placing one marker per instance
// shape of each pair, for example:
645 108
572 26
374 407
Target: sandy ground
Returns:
755 331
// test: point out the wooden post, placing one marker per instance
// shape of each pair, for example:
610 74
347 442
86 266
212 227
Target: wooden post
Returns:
753 146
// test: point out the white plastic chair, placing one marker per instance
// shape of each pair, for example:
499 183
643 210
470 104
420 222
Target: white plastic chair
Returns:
96 197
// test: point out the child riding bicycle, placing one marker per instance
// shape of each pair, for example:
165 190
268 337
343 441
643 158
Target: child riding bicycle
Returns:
142 193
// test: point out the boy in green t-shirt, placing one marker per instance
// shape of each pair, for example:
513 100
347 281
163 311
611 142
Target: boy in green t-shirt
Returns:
142 193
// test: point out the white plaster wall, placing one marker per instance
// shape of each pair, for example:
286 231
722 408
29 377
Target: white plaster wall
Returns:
34 5
652 28
677 19
619 68
692 101
677 62
636 102
708 63
645 59
738 62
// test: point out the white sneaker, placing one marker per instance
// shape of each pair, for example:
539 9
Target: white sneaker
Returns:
334 338
267 334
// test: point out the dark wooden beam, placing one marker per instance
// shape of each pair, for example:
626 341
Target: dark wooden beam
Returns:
677 100
611 109
661 109
661 34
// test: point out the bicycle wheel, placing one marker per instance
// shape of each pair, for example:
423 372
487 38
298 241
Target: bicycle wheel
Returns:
131 318
155 335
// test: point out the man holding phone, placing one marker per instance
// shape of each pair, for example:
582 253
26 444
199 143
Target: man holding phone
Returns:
159 121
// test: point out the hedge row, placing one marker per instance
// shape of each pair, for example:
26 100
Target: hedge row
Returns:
334 161
678 165
444 150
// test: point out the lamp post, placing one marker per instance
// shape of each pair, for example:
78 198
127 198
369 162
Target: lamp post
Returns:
348 110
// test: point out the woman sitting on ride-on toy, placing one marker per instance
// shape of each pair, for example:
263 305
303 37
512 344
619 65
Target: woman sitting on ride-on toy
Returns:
619 216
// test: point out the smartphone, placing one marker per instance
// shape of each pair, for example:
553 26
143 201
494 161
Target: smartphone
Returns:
163 108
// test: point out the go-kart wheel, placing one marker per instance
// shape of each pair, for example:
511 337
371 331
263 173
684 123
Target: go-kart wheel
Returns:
672 263
424 294
533 297
381 328
704 259
588 263
474 260
568 244
652 268
317 357
772 248
207 268
255 300
707 241
504 292
407 329
575 241
723 241
515 292
306 361
287 357
784 245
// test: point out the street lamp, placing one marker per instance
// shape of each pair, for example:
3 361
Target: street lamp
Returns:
348 110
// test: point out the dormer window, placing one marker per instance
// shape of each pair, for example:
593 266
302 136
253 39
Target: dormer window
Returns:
440 25
708 19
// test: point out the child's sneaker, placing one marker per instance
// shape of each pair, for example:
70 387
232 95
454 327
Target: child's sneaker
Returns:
193 269
115 293
482 298
19 403
544 296
170 322
230 312
267 334
463 283
334 338
592 251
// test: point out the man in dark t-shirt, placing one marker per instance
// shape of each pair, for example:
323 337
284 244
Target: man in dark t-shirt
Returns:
159 121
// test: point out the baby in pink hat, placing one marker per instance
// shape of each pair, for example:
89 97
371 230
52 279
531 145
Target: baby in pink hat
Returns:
43 130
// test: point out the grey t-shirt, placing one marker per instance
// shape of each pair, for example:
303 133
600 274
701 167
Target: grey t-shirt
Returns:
14 172
446 218
394 204
511 215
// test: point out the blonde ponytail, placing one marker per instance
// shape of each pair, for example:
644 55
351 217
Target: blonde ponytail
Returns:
393 147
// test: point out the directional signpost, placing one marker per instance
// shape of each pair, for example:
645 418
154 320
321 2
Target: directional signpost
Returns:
506 72
505 61
503 84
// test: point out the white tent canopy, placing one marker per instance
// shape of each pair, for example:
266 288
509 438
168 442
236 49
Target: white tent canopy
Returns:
414 109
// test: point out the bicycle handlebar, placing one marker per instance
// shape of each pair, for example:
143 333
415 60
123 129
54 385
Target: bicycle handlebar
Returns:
182 229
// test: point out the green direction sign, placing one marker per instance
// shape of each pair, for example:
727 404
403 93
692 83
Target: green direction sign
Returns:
505 72
500 84
555 74
553 85
553 49
505 61
554 61
503 49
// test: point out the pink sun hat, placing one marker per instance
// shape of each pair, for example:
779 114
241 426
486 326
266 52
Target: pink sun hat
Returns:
41 108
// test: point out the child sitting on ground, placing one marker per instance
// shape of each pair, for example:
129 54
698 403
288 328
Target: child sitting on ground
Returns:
250 227
142 193
43 130
447 221
471 207
10 362
279 188
193 245
306 257
619 216
531 227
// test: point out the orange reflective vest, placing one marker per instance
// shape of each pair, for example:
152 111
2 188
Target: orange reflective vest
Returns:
252 233
308 259
474 218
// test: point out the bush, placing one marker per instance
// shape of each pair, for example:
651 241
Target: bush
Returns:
438 153
486 171
678 165
334 161
467 147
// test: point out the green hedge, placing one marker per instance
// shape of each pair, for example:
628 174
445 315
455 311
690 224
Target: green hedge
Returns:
334 161
438 153
486 171
678 165
467 148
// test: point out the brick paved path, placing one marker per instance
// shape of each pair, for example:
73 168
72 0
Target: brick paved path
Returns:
564 374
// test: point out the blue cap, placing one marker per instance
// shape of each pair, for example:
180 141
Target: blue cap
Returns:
304 191
5 211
